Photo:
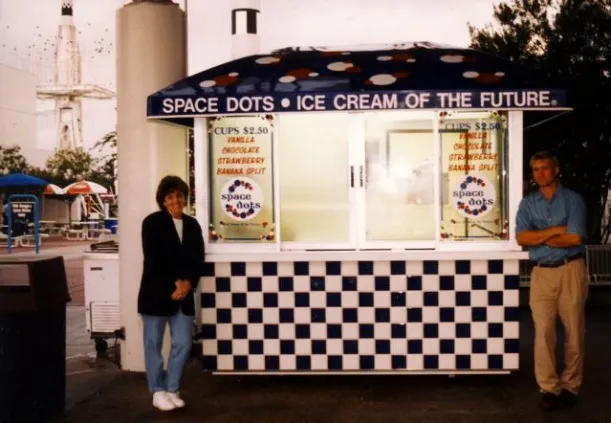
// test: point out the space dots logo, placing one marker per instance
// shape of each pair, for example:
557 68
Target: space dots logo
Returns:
241 199
473 196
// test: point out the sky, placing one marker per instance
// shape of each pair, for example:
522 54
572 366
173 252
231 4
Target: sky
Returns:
28 29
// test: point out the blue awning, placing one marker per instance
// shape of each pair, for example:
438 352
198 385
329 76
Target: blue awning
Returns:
412 76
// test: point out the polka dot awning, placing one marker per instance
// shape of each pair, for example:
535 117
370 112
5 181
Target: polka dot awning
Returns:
399 76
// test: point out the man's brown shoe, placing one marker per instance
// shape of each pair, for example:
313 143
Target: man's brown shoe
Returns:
567 399
549 402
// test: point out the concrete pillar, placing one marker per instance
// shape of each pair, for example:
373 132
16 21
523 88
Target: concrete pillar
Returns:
151 54
245 38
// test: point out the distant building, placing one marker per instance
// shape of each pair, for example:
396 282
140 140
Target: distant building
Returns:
18 112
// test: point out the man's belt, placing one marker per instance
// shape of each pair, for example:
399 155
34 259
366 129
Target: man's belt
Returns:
561 262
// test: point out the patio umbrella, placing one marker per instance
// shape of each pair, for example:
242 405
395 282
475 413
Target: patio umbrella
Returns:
18 180
53 189
84 188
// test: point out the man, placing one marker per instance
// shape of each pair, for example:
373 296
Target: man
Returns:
552 224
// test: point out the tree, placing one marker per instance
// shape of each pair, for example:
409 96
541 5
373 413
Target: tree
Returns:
67 166
570 42
11 160
105 172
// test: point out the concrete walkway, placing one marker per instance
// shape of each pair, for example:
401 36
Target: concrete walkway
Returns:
68 252
86 373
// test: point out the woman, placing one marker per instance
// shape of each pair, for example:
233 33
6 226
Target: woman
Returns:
173 256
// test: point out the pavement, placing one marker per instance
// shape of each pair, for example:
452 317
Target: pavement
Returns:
86 372
123 396
99 391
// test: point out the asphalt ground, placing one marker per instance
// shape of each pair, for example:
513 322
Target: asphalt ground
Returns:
372 398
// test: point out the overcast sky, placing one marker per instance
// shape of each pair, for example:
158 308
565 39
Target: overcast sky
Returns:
28 29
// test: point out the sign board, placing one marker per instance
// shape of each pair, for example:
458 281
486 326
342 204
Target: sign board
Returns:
241 178
23 210
198 105
20 215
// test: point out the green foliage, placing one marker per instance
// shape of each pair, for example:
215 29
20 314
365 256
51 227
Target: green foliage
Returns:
70 165
67 166
12 161
105 172
570 42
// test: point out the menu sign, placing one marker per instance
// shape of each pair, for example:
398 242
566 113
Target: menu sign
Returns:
241 179
471 157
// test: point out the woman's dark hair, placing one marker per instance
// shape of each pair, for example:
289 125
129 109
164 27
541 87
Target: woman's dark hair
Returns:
168 185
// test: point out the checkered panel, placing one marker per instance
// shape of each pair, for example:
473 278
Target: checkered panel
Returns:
361 316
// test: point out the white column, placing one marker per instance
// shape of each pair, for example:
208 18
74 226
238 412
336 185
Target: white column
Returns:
245 38
151 54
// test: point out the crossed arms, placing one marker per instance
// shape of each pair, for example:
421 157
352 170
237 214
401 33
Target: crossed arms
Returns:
555 236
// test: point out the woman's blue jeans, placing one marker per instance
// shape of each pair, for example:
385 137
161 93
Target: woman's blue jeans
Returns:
181 330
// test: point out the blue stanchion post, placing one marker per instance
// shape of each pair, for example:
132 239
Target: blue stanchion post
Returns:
10 220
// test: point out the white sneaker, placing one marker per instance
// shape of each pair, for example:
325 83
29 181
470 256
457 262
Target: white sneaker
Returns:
162 401
176 400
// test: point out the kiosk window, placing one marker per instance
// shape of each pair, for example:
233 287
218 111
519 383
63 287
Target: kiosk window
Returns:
474 162
400 166
313 159
392 179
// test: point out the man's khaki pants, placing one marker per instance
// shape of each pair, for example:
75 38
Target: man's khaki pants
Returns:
559 291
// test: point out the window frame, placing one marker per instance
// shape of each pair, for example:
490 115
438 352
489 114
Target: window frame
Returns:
351 244
361 206
357 195
202 186
513 148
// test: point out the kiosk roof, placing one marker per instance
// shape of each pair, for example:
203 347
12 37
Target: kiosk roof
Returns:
386 77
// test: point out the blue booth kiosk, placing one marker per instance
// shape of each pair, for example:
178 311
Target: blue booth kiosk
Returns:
360 207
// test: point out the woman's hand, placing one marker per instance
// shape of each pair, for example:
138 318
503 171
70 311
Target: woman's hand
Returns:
183 287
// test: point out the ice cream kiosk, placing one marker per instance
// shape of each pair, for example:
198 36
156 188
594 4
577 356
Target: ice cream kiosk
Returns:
359 205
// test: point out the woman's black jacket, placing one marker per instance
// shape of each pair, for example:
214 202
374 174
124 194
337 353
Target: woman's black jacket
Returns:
166 260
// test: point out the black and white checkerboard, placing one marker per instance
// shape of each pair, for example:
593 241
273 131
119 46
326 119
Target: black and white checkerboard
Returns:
440 316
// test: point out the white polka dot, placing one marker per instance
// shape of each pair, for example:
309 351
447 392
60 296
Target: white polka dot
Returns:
382 79
267 60
313 74
287 79
452 58
499 74
233 74
285 102
207 84
339 66
471 74
411 60
554 102
384 58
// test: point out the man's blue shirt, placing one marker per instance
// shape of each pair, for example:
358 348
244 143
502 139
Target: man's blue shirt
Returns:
565 208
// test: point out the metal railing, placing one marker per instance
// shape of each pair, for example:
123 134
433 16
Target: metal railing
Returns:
598 262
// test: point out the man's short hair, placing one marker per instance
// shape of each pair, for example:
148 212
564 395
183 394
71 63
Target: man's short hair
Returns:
168 185
544 155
